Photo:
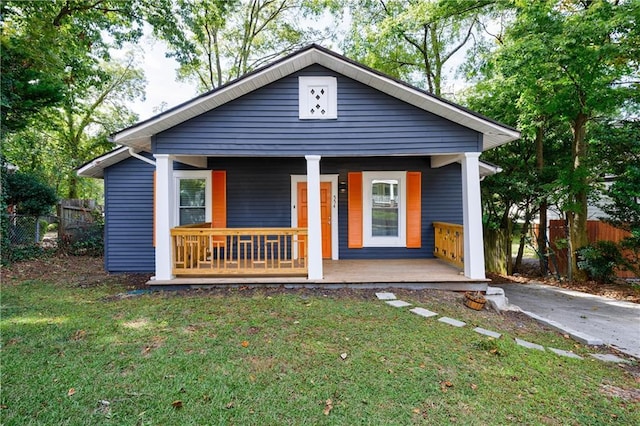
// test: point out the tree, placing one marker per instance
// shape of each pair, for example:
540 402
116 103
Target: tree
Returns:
220 40
570 62
584 56
28 194
72 134
66 93
413 40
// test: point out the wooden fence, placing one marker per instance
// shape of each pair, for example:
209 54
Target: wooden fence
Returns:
596 231
75 216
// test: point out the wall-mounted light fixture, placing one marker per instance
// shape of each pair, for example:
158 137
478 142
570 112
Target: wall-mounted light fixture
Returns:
342 187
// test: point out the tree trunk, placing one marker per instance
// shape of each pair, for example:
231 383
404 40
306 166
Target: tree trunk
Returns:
523 239
73 186
543 252
542 227
578 218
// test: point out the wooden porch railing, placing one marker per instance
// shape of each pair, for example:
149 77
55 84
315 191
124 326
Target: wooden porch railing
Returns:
449 244
202 250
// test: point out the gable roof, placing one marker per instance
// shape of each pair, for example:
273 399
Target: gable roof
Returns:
139 135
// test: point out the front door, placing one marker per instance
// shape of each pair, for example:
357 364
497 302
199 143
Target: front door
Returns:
325 213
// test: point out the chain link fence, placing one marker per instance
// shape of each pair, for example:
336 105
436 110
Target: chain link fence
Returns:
27 230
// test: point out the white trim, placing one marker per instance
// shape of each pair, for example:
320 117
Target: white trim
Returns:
95 168
164 212
368 239
192 174
472 217
139 135
314 229
333 178
330 86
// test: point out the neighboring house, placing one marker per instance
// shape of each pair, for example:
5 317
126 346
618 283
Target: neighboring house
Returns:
312 157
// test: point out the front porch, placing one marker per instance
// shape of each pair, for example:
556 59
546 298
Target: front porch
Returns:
407 273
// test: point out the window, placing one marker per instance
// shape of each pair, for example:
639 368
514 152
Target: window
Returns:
193 193
384 209
317 98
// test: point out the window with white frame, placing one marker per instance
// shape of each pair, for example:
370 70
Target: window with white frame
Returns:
384 209
317 98
193 196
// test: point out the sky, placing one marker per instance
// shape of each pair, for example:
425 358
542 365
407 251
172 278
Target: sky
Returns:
162 87
160 73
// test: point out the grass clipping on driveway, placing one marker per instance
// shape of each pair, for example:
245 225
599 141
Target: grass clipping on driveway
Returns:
73 355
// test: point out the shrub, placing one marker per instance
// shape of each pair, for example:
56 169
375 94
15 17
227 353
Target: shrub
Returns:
31 196
87 242
599 260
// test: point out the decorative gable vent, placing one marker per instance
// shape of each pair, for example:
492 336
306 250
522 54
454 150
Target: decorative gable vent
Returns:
318 98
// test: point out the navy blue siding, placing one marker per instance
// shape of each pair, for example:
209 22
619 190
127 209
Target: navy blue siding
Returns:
265 122
129 217
441 202
259 195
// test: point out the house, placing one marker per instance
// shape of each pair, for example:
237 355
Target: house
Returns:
312 157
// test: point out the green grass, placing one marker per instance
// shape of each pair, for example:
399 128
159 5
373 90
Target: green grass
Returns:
144 354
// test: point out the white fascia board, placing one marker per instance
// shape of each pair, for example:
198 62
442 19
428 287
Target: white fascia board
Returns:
494 133
139 136
95 168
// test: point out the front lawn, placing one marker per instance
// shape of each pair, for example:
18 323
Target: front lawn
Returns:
76 354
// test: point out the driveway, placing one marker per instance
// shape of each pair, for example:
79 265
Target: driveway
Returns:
615 322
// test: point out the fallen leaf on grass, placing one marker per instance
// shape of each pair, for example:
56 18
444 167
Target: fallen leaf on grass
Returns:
328 407
474 386
71 392
230 405
104 407
416 411
79 335
343 355
177 404
245 344
445 385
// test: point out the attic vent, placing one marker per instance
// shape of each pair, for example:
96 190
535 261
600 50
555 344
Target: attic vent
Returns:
317 98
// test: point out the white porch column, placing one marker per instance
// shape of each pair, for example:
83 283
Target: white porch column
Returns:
314 238
164 214
472 216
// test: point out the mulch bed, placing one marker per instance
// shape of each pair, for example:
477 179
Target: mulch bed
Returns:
85 271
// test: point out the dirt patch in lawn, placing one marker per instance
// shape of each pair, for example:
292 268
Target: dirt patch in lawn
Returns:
80 271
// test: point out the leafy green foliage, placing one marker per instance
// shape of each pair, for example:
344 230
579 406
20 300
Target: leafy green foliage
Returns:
412 40
28 194
600 260
89 242
216 41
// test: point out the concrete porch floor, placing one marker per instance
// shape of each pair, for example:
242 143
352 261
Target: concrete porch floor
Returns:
399 273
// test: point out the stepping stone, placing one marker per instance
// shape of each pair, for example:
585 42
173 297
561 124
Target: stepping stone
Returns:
565 353
487 332
385 296
398 303
423 312
451 321
529 345
609 358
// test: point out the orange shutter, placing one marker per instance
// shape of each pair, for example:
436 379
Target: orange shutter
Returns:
414 210
154 210
219 199
355 209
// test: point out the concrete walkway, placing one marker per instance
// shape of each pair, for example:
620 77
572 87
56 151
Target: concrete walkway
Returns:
586 317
